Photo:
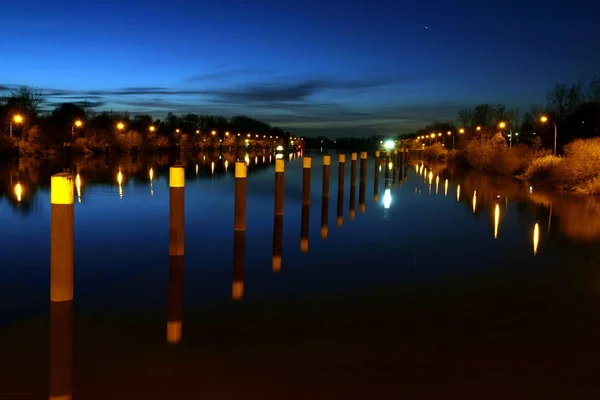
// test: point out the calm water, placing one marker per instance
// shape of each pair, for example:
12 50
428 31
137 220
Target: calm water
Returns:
487 291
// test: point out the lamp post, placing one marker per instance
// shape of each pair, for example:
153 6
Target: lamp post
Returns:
16 119
502 125
544 119
77 124
152 128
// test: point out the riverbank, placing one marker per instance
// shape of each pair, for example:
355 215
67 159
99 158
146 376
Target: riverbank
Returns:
577 170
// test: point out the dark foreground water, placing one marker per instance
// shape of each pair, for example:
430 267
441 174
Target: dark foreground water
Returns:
475 288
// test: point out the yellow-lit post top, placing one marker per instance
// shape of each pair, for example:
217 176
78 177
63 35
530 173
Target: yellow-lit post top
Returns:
279 166
306 162
326 160
176 177
276 263
353 157
377 153
363 155
342 158
62 189
240 169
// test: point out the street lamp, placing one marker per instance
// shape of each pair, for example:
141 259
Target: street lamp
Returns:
461 130
77 124
478 128
120 126
151 128
502 125
16 119
213 133
177 130
544 119
226 133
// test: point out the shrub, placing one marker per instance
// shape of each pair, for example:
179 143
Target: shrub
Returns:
435 152
541 168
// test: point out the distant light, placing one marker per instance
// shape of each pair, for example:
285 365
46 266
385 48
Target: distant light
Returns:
389 144
177 130
226 133
151 128
213 133
120 126
461 130
78 123
18 119
544 118
496 220
197 131
279 148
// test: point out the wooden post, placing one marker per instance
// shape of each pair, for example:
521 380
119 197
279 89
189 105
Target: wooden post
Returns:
376 184
61 237
61 350
340 199
306 165
326 175
387 173
239 214
279 184
175 306
394 168
304 228
363 182
352 211
239 231
176 210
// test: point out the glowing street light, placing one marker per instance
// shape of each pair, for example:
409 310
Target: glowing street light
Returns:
17 119
226 133
177 130
120 126
213 133
544 119
502 125
389 144
478 128
197 131
151 128
461 130
77 124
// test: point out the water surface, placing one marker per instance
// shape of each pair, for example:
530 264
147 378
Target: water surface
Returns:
450 283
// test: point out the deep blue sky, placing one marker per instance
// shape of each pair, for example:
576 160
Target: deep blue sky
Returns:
334 67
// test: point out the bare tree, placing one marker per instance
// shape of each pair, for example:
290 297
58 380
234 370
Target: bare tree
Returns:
593 89
27 98
557 100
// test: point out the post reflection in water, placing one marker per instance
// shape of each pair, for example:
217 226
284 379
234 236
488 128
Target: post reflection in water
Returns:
437 184
239 248
446 188
496 220
61 350
340 198
474 201
175 300
458 193
277 243
536 237
212 167
351 209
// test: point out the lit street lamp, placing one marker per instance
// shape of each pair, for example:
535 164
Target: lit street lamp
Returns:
120 126
502 125
152 128
544 119
77 124
17 119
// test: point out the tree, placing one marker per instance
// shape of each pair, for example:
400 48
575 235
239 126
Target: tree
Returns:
26 99
557 99
593 89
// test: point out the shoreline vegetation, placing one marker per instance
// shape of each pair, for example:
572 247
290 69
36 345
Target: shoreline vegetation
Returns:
557 146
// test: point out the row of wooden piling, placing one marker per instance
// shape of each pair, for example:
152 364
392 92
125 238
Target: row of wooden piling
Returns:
62 246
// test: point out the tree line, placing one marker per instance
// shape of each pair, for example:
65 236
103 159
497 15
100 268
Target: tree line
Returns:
37 130
575 109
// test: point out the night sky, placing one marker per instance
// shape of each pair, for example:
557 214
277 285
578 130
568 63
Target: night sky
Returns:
332 67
